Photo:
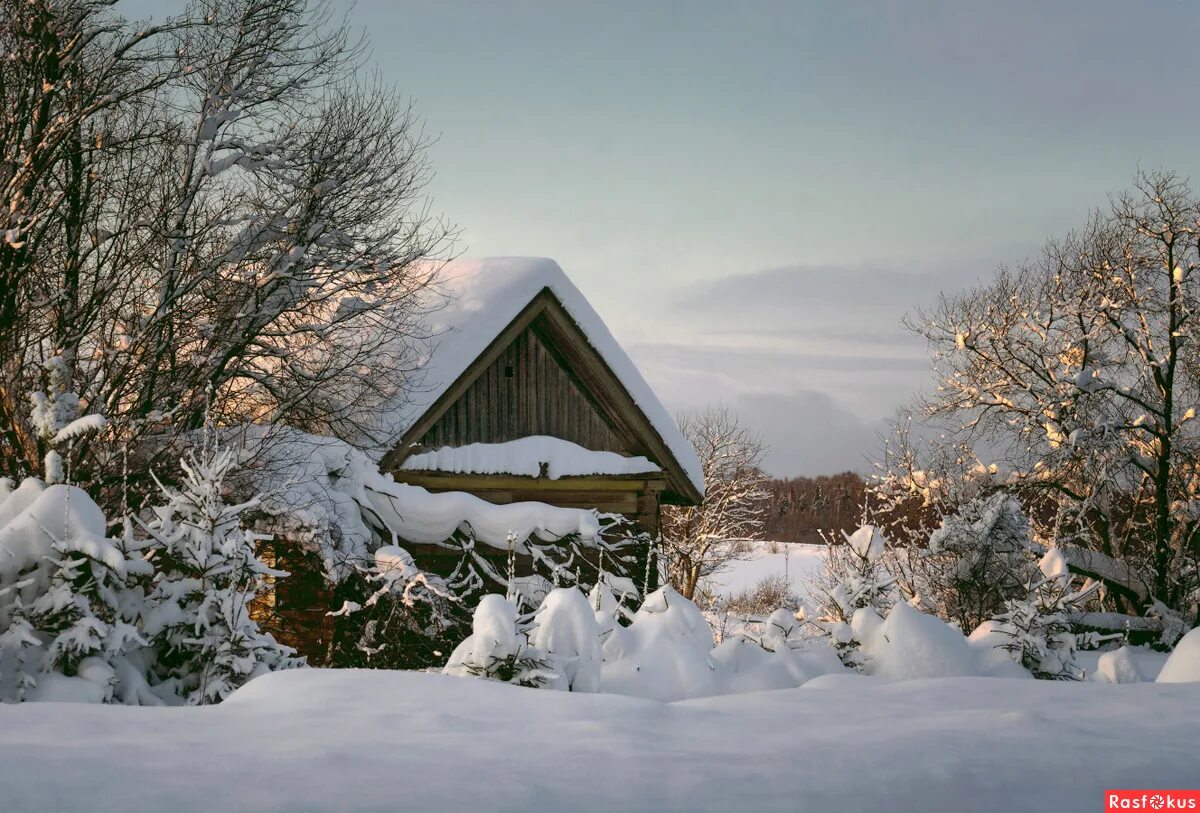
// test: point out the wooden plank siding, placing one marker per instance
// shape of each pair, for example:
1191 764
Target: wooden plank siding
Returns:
526 391
559 386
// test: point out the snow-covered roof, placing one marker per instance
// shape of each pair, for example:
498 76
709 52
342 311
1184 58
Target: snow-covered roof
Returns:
525 456
483 297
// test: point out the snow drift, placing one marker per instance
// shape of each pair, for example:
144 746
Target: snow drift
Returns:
324 741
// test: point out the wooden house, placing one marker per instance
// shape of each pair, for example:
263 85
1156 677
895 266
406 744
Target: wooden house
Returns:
523 396
519 354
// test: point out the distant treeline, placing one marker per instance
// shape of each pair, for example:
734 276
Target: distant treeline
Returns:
801 507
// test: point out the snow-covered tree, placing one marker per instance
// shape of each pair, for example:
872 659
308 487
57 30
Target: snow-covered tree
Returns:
1039 628
1079 374
55 417
207 574
70 604
855 591
565 628
498 647
699 540
978 558
215 198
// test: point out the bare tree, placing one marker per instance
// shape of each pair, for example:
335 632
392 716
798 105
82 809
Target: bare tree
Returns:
700 540
211 205
1078 374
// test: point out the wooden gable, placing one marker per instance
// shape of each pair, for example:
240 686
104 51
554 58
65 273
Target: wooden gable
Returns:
541 376
528 390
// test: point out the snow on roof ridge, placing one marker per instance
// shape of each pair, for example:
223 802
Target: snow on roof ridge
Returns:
484 295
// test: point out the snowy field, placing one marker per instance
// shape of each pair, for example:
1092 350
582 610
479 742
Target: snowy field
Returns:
318 740
801 564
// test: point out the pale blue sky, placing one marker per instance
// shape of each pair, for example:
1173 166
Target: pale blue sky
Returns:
753 194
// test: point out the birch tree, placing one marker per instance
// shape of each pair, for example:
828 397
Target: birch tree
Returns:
699 540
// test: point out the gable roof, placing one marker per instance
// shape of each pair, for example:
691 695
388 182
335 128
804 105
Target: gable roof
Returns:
485 298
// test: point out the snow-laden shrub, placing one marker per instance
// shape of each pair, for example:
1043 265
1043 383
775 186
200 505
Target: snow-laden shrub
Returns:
565 628
69 613
1183 664
393 615
663 654
979 558
911 644
1038 630
206 642
498 647
854 579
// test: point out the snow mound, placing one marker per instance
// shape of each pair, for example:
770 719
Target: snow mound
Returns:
333 740
912 645
566 629
1118 666
663 654
1184 664
526 457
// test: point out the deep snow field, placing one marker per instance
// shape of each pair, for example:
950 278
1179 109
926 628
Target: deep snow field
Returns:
801 564
322 740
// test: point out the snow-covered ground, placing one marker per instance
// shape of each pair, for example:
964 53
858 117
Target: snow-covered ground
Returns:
801 563
318 740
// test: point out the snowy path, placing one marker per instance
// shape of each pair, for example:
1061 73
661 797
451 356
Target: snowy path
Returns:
319 740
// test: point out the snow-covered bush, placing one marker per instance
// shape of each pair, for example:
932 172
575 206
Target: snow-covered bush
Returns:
498 647
198 619
855 590
1037 629
979 558
565 628
393 615
663 654
68 613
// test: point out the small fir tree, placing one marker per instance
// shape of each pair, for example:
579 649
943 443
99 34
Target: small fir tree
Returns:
206 642
1039 627
857 591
